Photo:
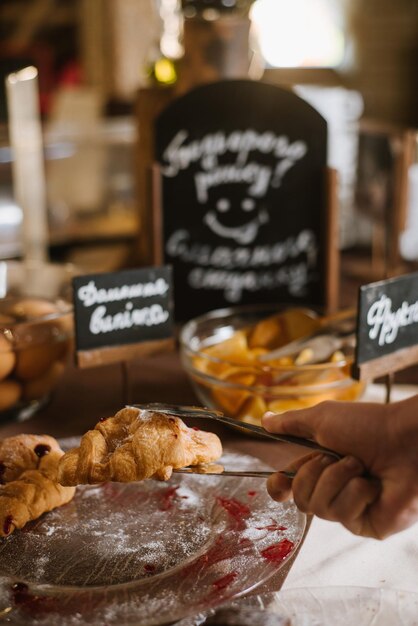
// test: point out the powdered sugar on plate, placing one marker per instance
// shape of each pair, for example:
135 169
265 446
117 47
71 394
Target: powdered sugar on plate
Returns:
146 552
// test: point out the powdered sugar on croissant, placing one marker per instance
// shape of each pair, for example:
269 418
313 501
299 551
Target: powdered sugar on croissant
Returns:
135 445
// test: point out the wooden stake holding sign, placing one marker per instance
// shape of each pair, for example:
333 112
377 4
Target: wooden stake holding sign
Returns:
387 330
122 315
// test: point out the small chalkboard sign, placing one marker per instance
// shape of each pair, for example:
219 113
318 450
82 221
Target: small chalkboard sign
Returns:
242 197
123 314
387 332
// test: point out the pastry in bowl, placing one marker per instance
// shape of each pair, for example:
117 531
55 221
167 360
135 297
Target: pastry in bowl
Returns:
134 445
28 467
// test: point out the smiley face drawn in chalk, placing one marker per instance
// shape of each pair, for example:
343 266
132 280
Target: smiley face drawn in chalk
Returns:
244 234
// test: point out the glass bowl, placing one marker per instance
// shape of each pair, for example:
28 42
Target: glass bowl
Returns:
36 333
221 353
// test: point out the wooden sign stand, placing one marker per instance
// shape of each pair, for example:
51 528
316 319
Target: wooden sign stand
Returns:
123 315
122 355
113 354
332 254
151 101
388 364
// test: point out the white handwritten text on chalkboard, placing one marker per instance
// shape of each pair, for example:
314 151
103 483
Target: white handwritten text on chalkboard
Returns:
208 149
89 294
256 176
103 322
385 323
220 267
179 155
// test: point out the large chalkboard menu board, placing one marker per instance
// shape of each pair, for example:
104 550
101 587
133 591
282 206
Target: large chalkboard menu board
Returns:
242 167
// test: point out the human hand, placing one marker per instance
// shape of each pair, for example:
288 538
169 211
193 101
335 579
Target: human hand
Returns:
373 491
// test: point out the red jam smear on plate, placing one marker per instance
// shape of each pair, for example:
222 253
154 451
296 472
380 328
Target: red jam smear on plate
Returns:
278 551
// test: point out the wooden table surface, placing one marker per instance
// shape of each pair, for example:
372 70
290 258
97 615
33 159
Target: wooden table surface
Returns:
83 396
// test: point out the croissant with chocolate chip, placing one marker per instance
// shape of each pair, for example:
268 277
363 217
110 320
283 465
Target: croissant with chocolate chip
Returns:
29 466
134 445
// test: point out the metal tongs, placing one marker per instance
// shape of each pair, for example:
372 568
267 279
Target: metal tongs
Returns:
336 332
214 469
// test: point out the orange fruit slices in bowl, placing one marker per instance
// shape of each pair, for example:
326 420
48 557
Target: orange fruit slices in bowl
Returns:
223 356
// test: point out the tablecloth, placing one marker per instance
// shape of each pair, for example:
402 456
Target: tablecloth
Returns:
331 555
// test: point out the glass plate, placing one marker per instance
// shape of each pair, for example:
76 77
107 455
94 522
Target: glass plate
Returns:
317 606
348 606
148 552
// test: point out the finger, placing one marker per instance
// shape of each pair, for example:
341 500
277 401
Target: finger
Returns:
306 481
306 423
279 486
332 424
352 502
301 423
331 483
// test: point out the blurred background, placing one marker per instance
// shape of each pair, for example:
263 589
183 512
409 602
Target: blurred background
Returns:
355 61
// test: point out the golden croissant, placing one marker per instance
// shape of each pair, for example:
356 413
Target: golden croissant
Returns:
134 445
23 452
28 472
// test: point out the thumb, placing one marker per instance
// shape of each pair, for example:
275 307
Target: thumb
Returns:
302 423
356 428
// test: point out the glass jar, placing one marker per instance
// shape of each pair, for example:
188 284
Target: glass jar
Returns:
202 41
36 334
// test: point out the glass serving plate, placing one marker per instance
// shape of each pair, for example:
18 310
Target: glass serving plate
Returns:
147 553
317 606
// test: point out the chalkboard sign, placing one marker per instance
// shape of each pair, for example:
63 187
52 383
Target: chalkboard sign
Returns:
243 197
122 314
387 334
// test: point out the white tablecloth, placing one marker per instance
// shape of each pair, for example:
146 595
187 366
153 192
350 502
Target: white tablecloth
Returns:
333 556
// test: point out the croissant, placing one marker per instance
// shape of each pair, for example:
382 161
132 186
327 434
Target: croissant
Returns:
33 490
23 452
135 445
